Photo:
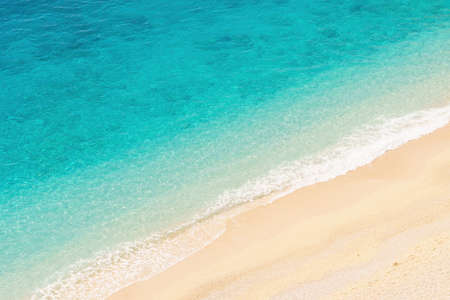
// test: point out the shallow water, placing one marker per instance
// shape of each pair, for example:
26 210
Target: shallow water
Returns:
123 120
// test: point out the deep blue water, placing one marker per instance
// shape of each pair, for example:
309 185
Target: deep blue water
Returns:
139 115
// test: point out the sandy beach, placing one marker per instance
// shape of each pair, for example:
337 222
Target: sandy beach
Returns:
379 232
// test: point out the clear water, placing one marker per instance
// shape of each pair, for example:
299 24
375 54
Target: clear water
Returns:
120 120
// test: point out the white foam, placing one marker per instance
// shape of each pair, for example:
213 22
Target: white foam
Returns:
131 262
356 150
108 272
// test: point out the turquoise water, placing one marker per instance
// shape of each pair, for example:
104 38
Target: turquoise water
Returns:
121 121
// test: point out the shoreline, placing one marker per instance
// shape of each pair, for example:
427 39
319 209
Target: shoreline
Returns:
264 241
132 262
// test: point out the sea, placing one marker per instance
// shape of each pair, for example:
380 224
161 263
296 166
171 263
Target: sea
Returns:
131 130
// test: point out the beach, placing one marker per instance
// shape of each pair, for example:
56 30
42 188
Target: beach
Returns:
223 149
381 231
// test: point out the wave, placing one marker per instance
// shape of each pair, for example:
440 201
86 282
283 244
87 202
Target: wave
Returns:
134 261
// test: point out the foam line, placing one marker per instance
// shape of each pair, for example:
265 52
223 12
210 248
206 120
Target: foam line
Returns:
131 262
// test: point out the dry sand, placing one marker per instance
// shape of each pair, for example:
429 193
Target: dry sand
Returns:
379 232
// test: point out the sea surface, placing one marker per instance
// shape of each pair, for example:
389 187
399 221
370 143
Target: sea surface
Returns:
128 127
